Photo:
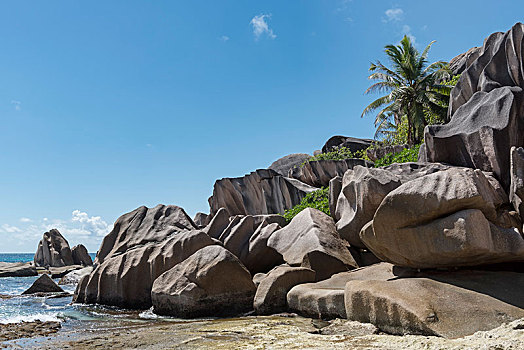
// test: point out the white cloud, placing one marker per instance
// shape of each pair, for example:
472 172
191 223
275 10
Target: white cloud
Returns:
394 14
9 229
25 220
260 26
224 38
90 223
17 105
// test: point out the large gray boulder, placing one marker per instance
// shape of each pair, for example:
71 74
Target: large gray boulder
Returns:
450 218
44 284
17 269
352 143
485 109
286 163
141 226
318 173
53 250
448 304
263 191
355 198
125 280
311 240
516 191
272 290
75 276
325 299
81 256
460 63
211 282
201 219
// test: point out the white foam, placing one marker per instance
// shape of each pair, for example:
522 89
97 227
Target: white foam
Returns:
31 318
148 314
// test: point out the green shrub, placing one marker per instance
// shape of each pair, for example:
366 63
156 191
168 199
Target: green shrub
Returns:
407 155
317 199
337 154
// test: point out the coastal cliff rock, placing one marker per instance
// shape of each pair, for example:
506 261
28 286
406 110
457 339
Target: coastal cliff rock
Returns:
311 240
44 284
447 304
286 163
53 250
263 191
270 297
460 63
125 280
486 108
141 226
451 218
211 282
81 256
318 173
355 198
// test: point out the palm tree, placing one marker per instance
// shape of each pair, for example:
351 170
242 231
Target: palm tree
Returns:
413 88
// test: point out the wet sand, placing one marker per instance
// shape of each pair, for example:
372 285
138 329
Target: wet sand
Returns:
270 332
27 329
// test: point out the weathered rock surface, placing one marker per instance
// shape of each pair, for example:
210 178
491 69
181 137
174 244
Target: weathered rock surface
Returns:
311 240
17 269
444 219
44 284
75 276
516 190
263 191
376 153
53 250
286 163
485 108
59 272
460 63
318 173
125 280
351 328
218 223
352 143
201 219
259 257
270 297
81 256
355 198
211 282
325 299
141 226
448 304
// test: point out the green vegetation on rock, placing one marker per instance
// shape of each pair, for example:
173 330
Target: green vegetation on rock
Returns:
317 199
407 155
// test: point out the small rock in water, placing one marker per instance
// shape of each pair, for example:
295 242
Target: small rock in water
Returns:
44 284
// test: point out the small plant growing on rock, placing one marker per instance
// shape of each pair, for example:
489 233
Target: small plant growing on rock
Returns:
317 199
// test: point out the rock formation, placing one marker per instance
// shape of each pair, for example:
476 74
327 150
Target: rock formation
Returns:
211 282
286 163
17 269
53 250
261 192
485 109
311 240
460 63
44 284
318 173
81 256
201 220
516 191
352 143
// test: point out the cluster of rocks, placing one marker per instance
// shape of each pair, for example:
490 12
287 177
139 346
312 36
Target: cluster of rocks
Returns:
432 248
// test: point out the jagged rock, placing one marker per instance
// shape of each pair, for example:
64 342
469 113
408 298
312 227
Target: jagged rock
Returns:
17 269
81 256
485 109
141 226
441 220
311 240
53 250
318 173
125 280
354 201
285 164
270 297
211 282
447 304
59 272
376 153
201 219
516 191
218 223
460 63
75 276
259 257
325 299
263 191
352 143
44 284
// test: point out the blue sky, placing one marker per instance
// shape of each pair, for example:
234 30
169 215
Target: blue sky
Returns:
109 105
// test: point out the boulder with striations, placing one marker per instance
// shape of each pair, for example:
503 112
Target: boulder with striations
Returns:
81 256
53 250
318 173
286 163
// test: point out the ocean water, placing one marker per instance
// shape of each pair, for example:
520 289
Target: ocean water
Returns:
24 257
